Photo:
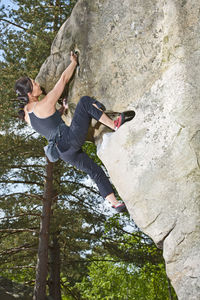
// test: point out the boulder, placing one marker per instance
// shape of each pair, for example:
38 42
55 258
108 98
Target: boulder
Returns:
144 55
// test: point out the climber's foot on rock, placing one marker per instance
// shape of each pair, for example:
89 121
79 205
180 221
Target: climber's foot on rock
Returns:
121 207
123 118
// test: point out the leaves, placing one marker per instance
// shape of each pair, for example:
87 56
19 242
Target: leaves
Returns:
111 280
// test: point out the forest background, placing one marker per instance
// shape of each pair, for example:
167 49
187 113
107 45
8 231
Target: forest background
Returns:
58 239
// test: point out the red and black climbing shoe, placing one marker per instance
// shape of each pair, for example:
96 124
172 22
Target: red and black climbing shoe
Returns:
120 208
123 118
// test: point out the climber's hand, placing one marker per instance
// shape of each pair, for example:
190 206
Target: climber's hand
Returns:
73 57
65 104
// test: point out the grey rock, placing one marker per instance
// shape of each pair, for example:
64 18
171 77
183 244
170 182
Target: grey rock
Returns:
145 55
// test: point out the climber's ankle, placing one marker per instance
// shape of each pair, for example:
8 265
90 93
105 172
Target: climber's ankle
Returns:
120 207
119 121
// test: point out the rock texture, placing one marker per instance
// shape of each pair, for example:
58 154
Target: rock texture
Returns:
145 55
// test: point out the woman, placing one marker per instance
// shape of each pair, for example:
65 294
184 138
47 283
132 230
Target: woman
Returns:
66 142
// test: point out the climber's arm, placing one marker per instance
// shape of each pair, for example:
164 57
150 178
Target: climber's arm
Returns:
52 97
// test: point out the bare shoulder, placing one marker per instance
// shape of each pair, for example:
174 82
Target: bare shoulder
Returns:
43 108
29 107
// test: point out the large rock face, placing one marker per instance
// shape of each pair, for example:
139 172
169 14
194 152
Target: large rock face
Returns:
145 55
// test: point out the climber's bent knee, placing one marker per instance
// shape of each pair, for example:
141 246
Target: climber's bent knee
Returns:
85 100
91 107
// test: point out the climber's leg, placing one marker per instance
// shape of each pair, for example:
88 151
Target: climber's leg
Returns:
85 111
107 121
112 199
83 162
89 108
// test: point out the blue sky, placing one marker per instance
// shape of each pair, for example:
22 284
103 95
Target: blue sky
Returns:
6 3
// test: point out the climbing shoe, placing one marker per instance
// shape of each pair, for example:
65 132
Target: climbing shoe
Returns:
120 208
124 117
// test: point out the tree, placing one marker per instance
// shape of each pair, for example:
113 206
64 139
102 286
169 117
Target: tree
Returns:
25 44
108 279
22 211
41 269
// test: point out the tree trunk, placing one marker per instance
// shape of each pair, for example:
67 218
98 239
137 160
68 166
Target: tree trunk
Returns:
42 262
54 280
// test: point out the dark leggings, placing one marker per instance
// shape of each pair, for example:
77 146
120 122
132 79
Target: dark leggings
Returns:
70 145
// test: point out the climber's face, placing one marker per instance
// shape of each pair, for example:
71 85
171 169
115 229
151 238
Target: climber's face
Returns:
36 92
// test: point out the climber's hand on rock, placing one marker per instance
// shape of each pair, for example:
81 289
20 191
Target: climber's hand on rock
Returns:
73 57
65 104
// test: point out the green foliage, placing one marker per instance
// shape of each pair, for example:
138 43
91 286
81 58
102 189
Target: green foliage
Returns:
90 149
128 266
122 238
119 281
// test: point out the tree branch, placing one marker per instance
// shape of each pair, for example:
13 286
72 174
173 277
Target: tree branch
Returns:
19 230
16 250
85 205
14 147
26 166
33 172
23 194
21 181
21 215
95 260
82 185
14 24
19 267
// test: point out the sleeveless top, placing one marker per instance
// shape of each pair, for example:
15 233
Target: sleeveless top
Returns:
46 126
52 128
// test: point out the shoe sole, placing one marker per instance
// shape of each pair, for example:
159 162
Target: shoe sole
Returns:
128 115
120 209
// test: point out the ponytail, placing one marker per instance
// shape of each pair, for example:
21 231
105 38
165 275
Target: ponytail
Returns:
23 86
21 113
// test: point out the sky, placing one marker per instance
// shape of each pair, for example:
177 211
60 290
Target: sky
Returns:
6 3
